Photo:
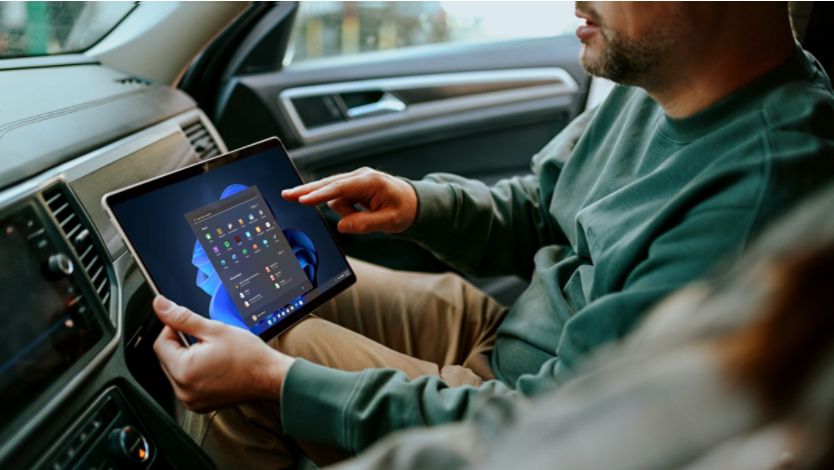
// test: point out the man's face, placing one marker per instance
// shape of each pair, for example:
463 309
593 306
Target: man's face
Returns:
625 41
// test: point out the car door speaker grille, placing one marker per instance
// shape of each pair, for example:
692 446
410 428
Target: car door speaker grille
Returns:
204 145
77 230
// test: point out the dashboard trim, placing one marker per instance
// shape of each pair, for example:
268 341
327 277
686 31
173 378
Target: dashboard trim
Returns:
60 60
90 162
69 172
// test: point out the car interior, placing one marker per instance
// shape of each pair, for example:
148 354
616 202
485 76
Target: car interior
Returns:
165 85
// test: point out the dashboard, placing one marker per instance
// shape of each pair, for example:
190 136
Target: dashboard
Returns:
77 329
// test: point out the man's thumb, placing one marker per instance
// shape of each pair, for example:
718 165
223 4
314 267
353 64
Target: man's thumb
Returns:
366 222
180 318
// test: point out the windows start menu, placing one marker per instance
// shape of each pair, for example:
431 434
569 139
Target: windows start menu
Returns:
250 254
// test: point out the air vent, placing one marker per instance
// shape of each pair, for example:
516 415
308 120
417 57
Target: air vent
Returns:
79 236
201 140
133 81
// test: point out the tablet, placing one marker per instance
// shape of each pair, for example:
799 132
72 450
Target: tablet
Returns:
218 238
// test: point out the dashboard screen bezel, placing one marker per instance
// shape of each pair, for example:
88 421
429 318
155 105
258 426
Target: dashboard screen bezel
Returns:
27 416
110 200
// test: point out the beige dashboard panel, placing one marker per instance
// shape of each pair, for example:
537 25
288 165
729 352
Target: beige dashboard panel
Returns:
163 156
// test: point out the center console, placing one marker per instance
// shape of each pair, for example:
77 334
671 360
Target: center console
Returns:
56 322
108 436
80 385
67 400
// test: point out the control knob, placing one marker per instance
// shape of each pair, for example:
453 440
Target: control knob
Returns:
60 265
129 446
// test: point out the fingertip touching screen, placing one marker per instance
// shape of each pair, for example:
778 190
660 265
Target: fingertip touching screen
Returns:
219 239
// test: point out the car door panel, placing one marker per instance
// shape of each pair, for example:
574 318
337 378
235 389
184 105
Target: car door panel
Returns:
327 112
478 110
263 90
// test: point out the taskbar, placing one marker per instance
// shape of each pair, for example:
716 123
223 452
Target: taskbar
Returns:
291 307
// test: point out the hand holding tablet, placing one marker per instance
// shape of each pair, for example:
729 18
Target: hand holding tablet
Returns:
207 376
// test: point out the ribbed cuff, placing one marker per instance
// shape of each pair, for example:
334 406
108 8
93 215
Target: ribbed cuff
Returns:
435 211
314 399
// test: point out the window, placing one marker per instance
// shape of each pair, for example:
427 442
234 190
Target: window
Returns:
326 29
45 28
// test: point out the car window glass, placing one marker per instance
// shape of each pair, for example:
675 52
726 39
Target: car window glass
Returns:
46 28
327 29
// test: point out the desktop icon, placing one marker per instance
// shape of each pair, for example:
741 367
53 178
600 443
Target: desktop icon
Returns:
277 286
251 217
244 251
267 269
275 237
248 234
254 246
216 250
226 244
219 232
241 295
258 229
231 226
241 221
254 317
237 239
237 286
272 277
267 225
208 236
261 212
266 242
234 257
222 262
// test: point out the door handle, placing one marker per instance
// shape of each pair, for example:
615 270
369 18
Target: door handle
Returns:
387 104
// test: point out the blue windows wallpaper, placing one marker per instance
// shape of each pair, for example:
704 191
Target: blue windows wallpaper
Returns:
176 260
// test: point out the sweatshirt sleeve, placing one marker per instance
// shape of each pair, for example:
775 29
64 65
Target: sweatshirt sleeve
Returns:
480 230
494 231
351 410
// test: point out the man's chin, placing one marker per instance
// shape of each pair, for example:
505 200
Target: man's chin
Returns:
590 59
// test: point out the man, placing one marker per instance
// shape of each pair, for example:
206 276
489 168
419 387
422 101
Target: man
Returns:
722 122
729 374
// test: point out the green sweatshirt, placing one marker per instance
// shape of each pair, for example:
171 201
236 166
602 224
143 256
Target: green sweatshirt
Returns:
623 207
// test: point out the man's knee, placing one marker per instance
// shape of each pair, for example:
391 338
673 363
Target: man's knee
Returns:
299 341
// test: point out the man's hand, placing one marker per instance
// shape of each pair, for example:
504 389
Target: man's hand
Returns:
390 203
228 366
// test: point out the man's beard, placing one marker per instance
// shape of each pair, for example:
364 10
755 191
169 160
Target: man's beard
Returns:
626 61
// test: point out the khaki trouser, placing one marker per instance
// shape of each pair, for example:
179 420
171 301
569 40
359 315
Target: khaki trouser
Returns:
421 324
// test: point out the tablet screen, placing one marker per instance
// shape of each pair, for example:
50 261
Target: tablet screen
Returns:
219 239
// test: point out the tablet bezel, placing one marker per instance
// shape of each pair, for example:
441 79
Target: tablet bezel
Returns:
111 199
